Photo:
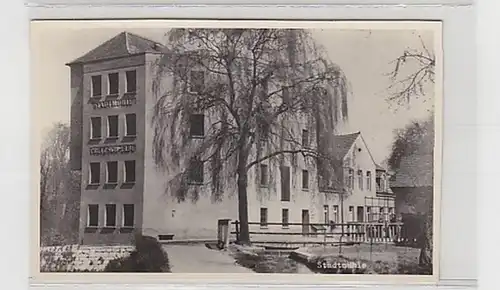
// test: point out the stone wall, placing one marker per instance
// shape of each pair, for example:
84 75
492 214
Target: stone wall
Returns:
76 258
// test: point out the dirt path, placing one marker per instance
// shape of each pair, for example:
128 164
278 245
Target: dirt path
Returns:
200 259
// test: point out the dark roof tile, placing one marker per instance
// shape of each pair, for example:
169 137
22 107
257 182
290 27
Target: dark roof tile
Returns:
342 144
123 44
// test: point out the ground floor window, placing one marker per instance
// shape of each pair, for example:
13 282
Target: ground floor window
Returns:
128 215
110 215
336 213
263 217
93 215
351 213
285 217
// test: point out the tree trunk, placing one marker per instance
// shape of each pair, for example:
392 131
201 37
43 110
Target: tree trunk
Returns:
425 258
243 198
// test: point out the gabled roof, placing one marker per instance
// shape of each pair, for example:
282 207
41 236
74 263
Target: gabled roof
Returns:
123 44
414 171
343 143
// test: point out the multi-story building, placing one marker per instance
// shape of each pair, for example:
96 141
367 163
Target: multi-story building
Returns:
125 192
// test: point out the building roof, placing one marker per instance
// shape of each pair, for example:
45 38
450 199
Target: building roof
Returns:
378 167
342 144
123 44
414 171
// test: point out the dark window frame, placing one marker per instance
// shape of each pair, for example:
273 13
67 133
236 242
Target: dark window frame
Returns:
368 180
131 219
264 216
95 128
116 126
93 209
264 175
305 138
108 172
285 183
130 165
305 179
127 125
285 218
110 217
113 83
196 88
360 179
131 88
196 171
197 125
96 86
94 176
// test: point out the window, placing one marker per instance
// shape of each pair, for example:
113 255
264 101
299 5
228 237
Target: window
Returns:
368 180
264 174
285 183
131 78
95 173
305 138
113 84
351 213
263 217
95 128
336 213
305 179
195 171
263 128
110 215
285 217
369 213
350 180
112 172
128 215
96 86
130 124
326 212
285 95
360 179
93 215
197 125
113 126
130 171
196 81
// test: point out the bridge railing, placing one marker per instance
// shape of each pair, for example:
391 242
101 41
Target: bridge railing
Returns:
319 233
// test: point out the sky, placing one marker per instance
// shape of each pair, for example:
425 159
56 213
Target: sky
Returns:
365 56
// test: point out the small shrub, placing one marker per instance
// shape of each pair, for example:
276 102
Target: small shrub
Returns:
148 256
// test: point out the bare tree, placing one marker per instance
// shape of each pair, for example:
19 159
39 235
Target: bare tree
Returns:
254 86
413 71
58 201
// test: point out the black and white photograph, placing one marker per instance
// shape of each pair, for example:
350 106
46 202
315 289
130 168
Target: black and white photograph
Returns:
237 147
